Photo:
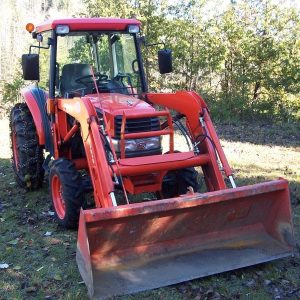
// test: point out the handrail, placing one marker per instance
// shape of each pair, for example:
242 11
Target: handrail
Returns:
137 135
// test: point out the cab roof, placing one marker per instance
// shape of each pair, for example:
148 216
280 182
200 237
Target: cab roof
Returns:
88 24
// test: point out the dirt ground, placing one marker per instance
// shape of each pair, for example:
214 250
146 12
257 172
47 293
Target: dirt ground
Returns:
40 256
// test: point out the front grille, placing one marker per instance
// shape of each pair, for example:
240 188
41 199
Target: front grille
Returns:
136 125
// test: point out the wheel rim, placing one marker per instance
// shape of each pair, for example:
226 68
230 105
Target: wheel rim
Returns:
58 200
15 150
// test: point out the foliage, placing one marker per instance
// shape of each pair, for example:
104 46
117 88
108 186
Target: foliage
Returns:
80 51
11 90
244 59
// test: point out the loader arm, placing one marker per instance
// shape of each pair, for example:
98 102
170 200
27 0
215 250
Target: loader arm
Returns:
193 107
84 112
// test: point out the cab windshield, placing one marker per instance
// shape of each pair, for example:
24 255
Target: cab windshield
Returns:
111 57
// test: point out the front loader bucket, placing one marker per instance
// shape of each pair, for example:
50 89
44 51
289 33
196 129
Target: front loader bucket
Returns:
143 246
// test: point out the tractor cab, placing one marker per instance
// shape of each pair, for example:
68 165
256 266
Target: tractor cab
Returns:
87 57
99 59
94 58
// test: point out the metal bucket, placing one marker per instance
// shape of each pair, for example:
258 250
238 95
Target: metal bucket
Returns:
143 246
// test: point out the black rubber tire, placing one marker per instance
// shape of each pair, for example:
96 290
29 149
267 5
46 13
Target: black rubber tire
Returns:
71 191
27 158
176 182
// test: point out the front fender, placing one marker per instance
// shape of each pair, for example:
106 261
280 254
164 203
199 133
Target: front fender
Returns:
35 99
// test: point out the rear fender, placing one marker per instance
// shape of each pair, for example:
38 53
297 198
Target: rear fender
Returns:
35 99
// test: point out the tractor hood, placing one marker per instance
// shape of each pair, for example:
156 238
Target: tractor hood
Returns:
116 104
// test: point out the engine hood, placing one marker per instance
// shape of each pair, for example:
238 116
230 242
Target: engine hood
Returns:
116 104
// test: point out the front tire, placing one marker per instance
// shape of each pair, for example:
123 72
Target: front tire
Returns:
27 153
177 182
66 192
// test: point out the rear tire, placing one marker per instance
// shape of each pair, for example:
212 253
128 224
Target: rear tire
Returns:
66 192
176 182
27 154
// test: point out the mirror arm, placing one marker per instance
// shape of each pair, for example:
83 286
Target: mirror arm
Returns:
39 47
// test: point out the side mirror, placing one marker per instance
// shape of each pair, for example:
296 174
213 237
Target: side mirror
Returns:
165 61
30 66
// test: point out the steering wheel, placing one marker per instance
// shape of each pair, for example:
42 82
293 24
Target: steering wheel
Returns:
89 79
123 75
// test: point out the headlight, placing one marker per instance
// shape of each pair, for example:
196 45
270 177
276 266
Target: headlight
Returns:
136 145
62 29
133 28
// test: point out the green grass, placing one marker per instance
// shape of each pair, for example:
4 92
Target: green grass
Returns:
37 262
42 267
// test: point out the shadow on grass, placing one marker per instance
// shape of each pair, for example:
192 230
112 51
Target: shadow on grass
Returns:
286 135
294 185
6 178
39 266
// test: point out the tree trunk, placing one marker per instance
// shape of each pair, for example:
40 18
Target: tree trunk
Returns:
256 90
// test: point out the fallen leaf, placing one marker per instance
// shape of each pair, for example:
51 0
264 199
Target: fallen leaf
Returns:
13 242
30 289
54 241
17 267
250 283
209 293
285 282
267 282
4 266
57 277
31 220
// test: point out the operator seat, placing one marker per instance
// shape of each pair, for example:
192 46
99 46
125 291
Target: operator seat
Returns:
69 73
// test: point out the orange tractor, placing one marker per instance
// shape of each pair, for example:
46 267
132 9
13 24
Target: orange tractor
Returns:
98 130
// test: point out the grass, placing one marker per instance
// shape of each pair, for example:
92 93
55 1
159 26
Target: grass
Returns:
44 267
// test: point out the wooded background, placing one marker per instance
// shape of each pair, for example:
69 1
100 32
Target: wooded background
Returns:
242 56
